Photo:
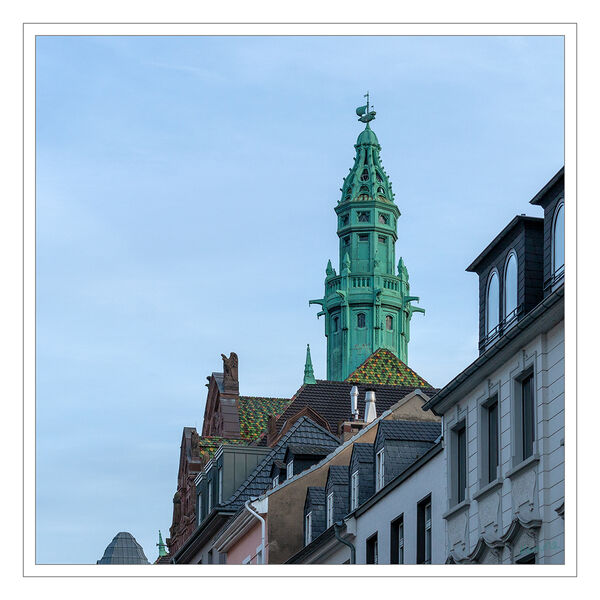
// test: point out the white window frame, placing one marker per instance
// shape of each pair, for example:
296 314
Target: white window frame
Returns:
493 272
290 469
220 485
247 560
510 255
401 542
427 550
199 515
260 555
560 205
209 494
354 487
308 528
275 481
379 469
329 510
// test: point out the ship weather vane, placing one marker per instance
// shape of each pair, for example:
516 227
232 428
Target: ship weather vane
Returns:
364 113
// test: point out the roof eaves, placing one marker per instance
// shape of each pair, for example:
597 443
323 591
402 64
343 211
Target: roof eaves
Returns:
538 197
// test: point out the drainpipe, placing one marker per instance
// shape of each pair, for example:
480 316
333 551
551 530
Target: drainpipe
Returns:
336 528
262 528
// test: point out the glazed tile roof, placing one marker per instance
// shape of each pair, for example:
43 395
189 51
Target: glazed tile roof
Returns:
255 412
208 445
384 368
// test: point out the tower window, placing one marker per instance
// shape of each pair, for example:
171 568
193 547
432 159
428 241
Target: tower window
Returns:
347 240
364 175
363 237
361 320
378 175
380 191
344 220
384 219
382 239
336 324
363 217
389 323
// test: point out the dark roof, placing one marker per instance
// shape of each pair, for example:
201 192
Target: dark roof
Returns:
422 431
385 368
338 474
316 495
123 550
363 452
308 450
331 399
539 197
303 431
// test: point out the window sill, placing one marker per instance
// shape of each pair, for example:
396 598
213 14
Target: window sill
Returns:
488 489
456 508
531 460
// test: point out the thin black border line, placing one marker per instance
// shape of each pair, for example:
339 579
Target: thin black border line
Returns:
271 35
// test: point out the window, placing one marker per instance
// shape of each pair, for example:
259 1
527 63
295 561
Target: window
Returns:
347 240
354 490
329 510
336 324
259 555
383 219
381 239
247 560
491 440
199 509
389 322
379 469
510 287
363 237
360 320
372 550
275 481
558 240
397 541
378 175
363 217
364 176
459 460
492 305
344 220
220 484
528 559
527 416
424 531
290 469
210 496
308 528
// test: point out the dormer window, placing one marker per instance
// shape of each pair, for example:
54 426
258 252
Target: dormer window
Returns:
308 528
361 320
492 305
354 490
558 241
329 510
275 481
379 469
210 496
290 469
510 287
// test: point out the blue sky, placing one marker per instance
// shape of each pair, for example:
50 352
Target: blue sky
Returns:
185 195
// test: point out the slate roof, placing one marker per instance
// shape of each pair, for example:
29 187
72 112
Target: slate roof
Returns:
306 450
303 431
385 368
414 431
254 413
123 550
338 474
331 399
316 495
363 452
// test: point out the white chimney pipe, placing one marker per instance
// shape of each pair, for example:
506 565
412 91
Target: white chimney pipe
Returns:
354 402
370 408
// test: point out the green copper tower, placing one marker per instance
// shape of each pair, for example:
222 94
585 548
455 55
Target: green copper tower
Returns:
368 304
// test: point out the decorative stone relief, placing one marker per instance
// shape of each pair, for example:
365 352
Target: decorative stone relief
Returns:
490 514
458 533
524 496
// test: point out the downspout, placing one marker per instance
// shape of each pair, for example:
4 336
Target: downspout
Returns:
336 528
262 528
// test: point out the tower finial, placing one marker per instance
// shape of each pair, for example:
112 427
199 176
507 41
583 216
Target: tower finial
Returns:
309 375
365 114
161 545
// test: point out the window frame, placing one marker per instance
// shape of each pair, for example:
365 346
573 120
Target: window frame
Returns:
372 550
389 323
510 318
220 485
494 331
380 469
308 528
358 316
209 494
458 465
397 540
424 531
523 447
555 270
329 509
275 481
289 469
354 489
490 428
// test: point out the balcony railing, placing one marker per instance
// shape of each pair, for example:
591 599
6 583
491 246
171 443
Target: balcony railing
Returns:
504 325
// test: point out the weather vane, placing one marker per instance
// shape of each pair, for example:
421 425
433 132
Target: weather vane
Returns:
364 114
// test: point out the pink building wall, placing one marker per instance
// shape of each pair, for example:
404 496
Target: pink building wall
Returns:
247 545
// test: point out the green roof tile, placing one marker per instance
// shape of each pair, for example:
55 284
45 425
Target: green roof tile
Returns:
384 368
255 412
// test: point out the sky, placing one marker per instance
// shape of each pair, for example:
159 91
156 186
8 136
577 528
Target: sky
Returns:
185 189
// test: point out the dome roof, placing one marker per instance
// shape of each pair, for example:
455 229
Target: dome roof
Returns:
123 550
367 136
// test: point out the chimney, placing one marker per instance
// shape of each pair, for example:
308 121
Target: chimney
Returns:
354 402
370 409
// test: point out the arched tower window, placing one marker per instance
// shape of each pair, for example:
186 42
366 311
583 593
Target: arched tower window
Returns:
492 305
389 322
336 324
510 286
361 320
558 239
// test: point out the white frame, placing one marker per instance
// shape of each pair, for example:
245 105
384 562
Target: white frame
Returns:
559 206
308 528
220 485
289 469
511 254
329 510
493 272
354 487
379 469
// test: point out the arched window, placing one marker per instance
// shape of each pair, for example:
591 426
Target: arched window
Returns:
558 239
389 322
361 320
492 307
510 286
336 323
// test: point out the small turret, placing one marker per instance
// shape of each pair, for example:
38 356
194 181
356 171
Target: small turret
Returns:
309 375
162 547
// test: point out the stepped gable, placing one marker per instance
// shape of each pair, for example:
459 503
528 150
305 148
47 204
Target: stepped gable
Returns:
384 368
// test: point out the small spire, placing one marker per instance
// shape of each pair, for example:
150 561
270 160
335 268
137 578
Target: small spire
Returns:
329 271
162 548
309 375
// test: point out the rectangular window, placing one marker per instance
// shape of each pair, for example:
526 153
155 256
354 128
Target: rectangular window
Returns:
259 556
275 481
329 510
397 541
372 550
210 496
363 237
363 217
220 484
528 559
491 412
459 460
347 240
290 469
199 509
379 470
381 239
527 416
307 528
424 531
354 491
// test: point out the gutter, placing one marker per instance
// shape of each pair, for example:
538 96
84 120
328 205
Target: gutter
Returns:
337 526
262 527
509 336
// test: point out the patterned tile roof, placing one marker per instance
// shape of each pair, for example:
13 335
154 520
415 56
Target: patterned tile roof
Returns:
384 368
255 412
208 445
